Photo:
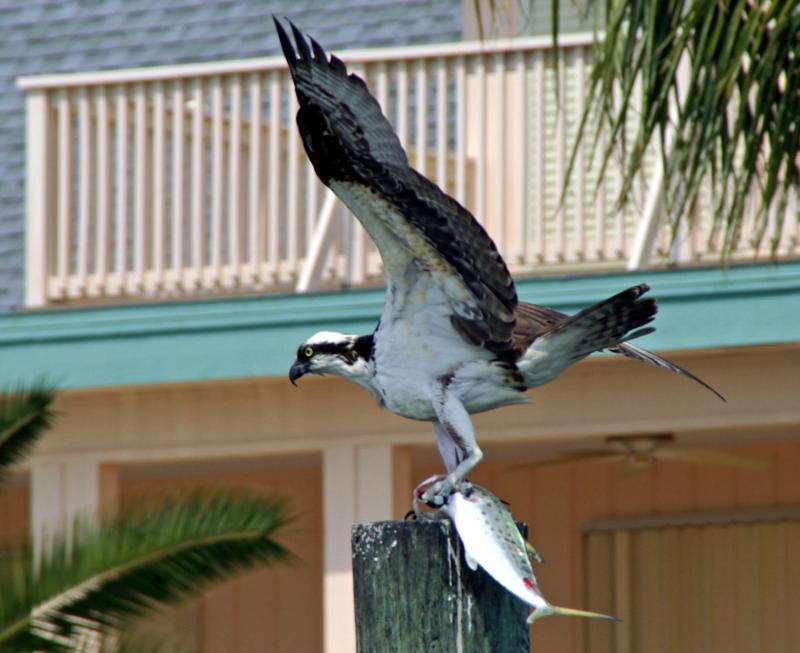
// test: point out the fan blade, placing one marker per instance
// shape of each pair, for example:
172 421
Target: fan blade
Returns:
591 455
695 456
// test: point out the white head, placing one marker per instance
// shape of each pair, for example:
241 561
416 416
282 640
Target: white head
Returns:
328 352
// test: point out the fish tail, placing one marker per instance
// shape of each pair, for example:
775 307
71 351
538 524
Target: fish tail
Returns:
546 611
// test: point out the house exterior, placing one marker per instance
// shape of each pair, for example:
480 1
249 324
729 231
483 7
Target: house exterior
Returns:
166 247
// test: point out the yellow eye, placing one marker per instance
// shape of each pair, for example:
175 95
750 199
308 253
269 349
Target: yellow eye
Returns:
308 352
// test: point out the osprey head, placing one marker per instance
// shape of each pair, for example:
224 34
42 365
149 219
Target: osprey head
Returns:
328 352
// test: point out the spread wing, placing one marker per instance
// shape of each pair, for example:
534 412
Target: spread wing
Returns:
420 232
535 321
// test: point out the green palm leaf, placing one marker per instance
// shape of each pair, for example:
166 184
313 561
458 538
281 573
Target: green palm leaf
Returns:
723 77
24 416
106 575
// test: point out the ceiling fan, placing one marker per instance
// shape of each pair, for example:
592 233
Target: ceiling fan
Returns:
639 452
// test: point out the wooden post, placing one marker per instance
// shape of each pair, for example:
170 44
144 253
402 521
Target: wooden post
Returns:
414 593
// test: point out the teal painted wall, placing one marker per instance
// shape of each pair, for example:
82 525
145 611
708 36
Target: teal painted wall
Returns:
250 337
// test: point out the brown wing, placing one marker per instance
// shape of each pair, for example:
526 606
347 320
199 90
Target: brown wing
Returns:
533 321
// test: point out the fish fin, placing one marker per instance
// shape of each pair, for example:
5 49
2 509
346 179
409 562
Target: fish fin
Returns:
533 554
471 562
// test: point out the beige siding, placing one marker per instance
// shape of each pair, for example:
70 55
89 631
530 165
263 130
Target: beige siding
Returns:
198 433
695 589
273 610
557 502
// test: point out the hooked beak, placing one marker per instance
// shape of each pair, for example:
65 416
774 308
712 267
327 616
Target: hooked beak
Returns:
298 370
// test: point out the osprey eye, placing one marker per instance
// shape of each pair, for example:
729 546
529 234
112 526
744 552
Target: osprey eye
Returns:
308 352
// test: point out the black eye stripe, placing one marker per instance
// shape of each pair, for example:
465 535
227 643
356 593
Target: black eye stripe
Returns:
325 348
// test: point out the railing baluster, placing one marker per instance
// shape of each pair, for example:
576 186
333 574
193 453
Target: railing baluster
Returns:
156 278
312 204
441 124
461 127
84 191
39 159
198 195
103 193
422 115
600 201
140 187
293 226
519 143
255 215
499 220
178 139
273 232
481 121
217 188
402 102
580 163
64 202
121 187
234 182
560 147
540 245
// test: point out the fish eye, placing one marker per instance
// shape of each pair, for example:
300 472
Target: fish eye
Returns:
308 352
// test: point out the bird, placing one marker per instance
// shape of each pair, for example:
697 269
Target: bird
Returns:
453 338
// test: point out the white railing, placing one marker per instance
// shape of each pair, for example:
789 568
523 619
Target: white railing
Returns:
191 180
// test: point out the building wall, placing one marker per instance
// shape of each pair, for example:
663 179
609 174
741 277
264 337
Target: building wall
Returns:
276 609
335 453
557 502
53 36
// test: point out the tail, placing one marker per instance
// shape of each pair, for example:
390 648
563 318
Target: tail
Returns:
604 325
639 354
549 610
611 322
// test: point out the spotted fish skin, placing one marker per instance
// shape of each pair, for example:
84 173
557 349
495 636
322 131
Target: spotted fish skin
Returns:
491 539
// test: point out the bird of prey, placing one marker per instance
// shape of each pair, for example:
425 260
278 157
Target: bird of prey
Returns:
453 339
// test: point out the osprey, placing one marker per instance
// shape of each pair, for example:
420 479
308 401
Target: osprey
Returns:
453 339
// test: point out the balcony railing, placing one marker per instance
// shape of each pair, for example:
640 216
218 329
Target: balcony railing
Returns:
191 180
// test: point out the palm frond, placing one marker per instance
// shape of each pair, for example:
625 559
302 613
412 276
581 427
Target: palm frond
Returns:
724 78
106 575
713 87
24 416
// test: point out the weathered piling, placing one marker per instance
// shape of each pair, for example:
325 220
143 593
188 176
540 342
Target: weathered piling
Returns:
414 593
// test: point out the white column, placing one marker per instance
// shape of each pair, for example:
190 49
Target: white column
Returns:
38 166
357 486
62 492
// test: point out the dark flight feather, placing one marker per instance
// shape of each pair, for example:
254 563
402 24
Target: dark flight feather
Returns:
349 140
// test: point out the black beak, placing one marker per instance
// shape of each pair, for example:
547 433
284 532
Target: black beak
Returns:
298 370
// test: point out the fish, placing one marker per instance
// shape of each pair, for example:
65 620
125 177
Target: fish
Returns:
491 540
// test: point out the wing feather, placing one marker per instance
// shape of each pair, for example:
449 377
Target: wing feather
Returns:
355 152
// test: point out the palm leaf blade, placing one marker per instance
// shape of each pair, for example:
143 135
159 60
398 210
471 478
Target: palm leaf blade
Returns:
724 79
24 416
108 575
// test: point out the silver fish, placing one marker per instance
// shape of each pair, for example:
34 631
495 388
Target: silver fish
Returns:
492 540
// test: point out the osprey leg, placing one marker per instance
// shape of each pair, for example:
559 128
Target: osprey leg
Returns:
455 437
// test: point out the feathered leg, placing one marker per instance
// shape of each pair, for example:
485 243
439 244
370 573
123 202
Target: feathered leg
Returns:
455 438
